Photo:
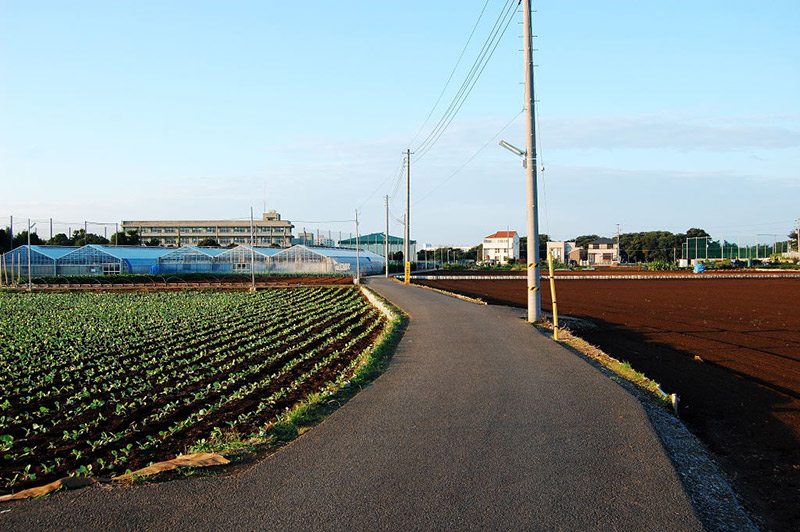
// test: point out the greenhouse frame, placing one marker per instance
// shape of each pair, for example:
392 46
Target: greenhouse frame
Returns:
306 259
238 259
189 259
43 260
96 259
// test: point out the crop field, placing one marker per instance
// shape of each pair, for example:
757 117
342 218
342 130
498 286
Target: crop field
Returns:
104 383
730 348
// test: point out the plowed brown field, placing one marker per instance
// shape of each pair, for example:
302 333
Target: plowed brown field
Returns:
730 348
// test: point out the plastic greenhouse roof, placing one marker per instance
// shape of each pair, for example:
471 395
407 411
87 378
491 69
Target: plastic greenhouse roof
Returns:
339 252
374 238
211 252
132 252
267 252
52 252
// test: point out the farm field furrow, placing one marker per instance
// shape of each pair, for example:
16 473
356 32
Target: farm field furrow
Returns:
728 347
104 383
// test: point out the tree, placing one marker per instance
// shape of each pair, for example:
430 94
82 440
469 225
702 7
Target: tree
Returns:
694 232
4 239
21 239
523 247
126 238
650 246
80 238
793 240
208 243
153 242
60 239
583 240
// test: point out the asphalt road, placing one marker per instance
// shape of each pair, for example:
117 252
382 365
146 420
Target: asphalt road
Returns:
480 422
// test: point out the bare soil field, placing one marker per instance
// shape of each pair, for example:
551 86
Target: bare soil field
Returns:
730 348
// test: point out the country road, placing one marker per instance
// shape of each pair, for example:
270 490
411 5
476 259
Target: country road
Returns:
480 422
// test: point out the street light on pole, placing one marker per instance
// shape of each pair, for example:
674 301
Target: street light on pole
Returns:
529 154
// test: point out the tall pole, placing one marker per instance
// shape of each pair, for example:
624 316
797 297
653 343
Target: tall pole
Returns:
357 280
619 247
386 237
407 235
29 254
252 254
11 232
797 234
532 215
51 229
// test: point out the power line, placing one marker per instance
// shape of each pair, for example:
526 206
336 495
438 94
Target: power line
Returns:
445 180
449 79
398 170
490 45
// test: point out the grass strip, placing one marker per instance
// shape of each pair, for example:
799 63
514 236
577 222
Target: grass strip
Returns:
316 407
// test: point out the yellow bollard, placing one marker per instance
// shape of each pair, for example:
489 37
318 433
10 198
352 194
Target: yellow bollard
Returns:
553 296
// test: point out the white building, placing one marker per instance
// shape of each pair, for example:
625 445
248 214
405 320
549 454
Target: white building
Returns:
564 251
602 251
501 247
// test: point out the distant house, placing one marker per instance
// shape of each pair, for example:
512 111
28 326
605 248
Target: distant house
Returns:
501 247
565 251
602 251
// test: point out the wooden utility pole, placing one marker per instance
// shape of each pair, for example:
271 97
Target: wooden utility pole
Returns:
532 215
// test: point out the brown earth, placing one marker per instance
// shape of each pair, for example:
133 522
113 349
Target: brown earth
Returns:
730 348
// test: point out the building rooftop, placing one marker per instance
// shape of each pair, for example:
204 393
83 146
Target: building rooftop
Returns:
503 234
374 238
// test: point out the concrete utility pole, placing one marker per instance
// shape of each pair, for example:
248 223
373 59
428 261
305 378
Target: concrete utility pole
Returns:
532 215
252 253
407 236
619 247
357 280
386 237
797 234
29 254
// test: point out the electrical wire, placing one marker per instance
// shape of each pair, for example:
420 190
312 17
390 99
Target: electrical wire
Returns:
399 169
490 45
445 180
452 72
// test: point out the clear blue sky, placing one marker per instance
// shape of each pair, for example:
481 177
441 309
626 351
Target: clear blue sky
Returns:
653 115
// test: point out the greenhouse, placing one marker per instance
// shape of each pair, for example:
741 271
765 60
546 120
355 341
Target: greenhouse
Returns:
238 259
43 260
303 259
95 259
189 259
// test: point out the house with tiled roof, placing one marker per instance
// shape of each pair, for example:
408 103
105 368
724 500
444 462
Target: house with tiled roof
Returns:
501 247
